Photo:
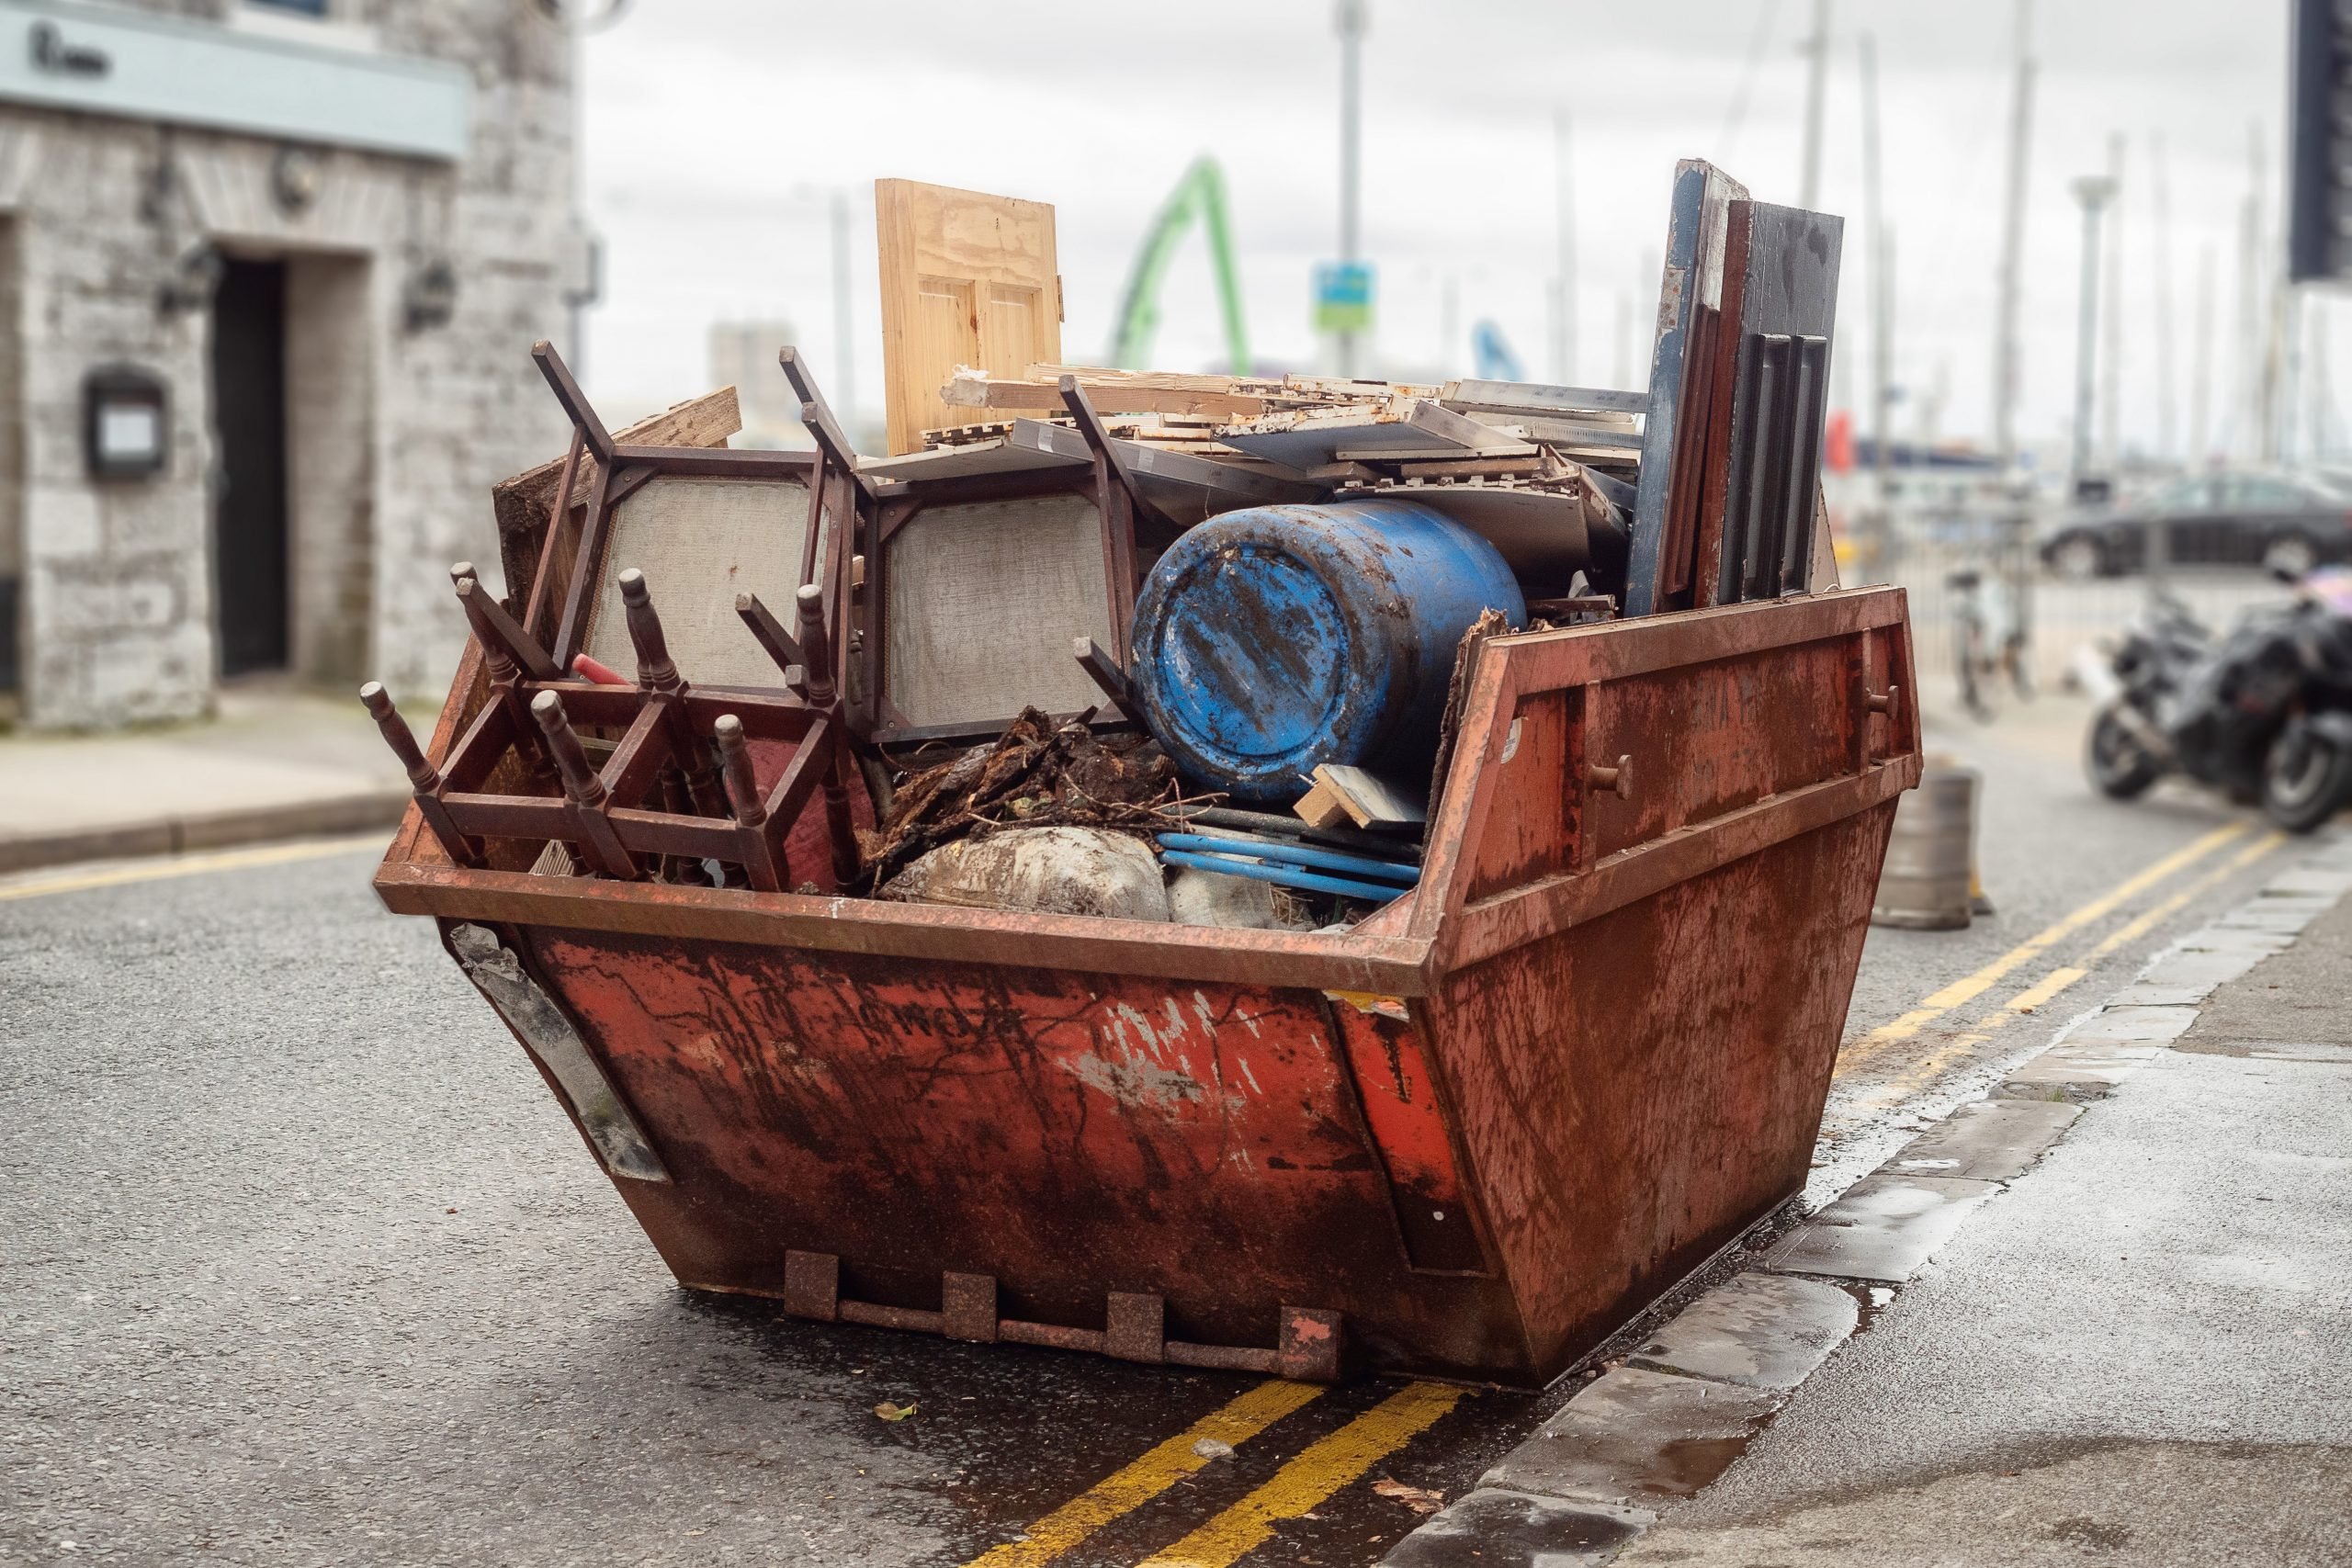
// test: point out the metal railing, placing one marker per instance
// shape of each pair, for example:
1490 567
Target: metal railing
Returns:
2012 589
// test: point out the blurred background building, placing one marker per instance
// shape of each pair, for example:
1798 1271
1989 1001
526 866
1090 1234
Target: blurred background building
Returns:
269 273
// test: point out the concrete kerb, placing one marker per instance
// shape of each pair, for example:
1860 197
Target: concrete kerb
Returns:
1669 1422
172 835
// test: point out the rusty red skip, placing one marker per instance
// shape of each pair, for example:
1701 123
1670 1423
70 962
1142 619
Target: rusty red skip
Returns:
1473 1135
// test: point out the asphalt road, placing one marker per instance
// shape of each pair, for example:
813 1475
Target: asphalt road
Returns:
302 1264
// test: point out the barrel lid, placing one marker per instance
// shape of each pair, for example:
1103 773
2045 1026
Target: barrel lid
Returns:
1251 656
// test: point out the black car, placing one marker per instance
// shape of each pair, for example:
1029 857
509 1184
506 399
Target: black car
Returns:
2289 522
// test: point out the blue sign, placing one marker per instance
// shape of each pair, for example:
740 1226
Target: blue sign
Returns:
1343 297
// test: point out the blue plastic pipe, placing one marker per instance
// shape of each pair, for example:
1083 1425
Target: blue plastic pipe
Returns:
1296 855
1283 876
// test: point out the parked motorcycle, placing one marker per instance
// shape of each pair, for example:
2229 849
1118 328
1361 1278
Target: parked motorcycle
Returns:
2265 713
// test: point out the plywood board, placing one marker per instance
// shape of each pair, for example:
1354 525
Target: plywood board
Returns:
967 279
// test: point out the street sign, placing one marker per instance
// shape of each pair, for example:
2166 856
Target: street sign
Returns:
1343 297
2319 144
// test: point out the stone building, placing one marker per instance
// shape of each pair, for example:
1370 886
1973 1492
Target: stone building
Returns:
270 275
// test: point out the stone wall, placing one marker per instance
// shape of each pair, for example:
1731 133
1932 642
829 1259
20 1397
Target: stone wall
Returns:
398 433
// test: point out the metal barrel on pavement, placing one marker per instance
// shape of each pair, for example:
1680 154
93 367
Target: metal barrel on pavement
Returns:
1926 883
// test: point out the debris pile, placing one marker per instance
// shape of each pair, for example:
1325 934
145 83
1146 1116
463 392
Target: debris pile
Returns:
1103 603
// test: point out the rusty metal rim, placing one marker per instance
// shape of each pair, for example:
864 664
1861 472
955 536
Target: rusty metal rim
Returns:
1391 966
1577 655
1529 913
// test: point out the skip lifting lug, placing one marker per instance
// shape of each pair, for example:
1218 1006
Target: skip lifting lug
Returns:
1617 778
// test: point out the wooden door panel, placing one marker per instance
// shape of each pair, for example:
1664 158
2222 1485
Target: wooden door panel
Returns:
966 279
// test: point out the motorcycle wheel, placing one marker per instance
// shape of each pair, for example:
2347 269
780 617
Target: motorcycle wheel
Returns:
2306 778
2120 767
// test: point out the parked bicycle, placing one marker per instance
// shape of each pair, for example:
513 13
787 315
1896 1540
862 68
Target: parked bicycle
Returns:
1990 641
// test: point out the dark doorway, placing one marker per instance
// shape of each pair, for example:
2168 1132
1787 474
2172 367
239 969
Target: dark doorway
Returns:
249 532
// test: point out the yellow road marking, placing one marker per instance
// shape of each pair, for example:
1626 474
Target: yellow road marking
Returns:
2173 905
1325 1465
2038 995
1160 1468
2046 990
195 865
1969 987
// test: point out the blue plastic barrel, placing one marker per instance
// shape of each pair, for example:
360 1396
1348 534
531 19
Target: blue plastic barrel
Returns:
1271 641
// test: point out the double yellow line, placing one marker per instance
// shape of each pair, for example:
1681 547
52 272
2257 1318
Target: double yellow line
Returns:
1322 1468
1968 988
2046 989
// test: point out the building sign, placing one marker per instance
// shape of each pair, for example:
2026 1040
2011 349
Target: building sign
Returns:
101 60
1343 297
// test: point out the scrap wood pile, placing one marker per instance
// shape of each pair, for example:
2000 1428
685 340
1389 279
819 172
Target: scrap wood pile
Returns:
1181 647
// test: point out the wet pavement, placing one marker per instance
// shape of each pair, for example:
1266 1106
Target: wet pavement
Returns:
305 1266
2135 1354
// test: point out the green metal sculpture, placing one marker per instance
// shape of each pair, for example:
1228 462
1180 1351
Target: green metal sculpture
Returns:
1200 194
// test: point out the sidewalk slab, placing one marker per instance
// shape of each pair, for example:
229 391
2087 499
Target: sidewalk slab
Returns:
1633 1437
2227 1213
1884 1228
1761 1330
2130 1025
277 764
1991 1140
1493 1529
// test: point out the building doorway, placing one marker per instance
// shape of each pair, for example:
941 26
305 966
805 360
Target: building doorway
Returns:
251 575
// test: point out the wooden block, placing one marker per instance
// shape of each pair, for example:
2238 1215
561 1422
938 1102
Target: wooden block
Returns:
1320 806
1368 800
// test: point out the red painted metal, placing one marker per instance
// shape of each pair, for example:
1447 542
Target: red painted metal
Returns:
1473 1137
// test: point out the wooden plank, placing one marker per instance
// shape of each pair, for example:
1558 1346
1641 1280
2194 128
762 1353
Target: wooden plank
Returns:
1320 806
1400 430
1123 394
1185 486
999 455
523 503
1563 432
1512 396
967 279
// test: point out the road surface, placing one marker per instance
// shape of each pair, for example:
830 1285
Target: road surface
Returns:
304 1265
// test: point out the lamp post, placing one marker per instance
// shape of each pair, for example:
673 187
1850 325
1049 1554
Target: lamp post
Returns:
579 18
1353 20
2094 191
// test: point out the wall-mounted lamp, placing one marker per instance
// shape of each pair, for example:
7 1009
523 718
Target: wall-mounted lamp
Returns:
194 274
126 427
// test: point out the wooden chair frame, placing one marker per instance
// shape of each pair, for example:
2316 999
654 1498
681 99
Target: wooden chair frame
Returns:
669 732
1119 506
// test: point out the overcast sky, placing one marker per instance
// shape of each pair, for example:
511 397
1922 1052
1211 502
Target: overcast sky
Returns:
718 129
